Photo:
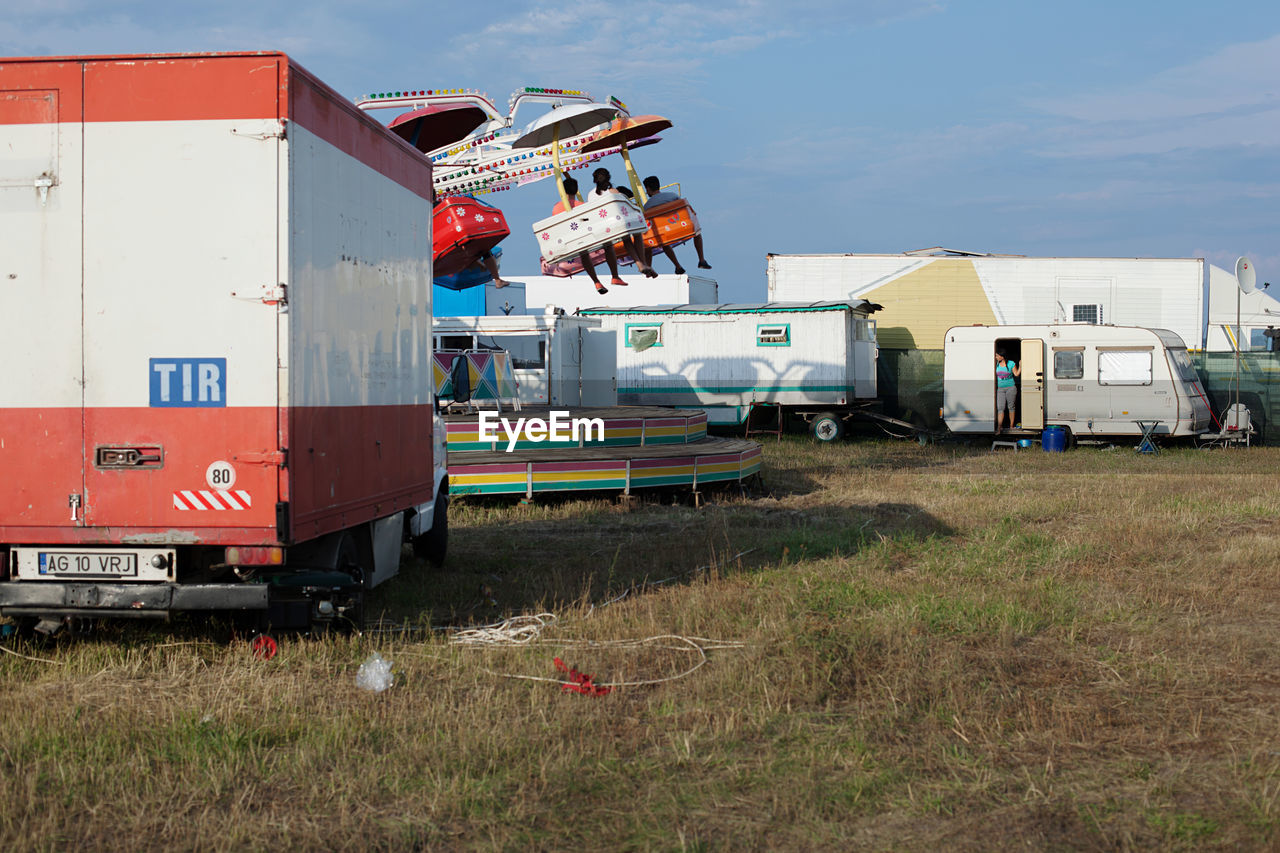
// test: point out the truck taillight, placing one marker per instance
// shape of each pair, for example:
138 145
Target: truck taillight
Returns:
268 556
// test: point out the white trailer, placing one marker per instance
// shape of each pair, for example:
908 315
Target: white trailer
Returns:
815 359
926 292
216 281
557 359
1095 380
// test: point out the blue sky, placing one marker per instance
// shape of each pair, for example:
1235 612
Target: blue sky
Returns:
1085 128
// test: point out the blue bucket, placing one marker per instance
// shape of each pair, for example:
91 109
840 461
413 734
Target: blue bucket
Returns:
1054 439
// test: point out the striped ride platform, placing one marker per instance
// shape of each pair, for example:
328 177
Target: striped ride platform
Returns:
631 447
624 426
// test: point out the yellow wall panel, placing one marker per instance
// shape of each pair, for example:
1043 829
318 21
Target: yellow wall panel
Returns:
920 306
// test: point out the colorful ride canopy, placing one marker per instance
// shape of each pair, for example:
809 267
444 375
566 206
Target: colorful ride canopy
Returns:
433 127
475 150
483 158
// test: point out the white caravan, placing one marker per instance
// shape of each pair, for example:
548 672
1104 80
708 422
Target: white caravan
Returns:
925 292
557 359
1093 380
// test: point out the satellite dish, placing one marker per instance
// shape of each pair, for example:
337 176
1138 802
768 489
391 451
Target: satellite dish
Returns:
1245 275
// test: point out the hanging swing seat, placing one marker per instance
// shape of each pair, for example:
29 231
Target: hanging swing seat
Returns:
473 276
462 230
592 225
573 265
670 224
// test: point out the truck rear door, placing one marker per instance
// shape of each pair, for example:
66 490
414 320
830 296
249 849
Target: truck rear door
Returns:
41 195
181 294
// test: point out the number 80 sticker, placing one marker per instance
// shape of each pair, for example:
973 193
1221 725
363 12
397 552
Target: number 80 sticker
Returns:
220 475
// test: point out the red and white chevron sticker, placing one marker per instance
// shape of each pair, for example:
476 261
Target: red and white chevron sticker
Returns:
220 500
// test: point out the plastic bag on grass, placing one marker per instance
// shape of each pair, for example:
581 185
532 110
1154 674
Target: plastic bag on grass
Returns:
375 674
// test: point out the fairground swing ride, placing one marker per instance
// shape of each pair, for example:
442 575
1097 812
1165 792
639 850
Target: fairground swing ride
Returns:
671 223
474 151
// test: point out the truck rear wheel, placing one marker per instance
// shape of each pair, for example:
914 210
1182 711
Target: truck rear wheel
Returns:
827 427
433 545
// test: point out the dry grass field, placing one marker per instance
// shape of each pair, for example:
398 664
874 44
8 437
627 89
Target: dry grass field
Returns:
906 648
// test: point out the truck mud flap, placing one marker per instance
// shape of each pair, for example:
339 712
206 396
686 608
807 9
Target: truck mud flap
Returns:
126 600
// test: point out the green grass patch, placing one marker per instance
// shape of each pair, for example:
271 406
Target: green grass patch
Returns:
906 647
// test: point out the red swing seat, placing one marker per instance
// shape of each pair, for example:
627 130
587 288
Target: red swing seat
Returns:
463 229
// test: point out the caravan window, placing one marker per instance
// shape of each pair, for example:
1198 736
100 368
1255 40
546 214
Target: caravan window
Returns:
1124 367
864 330
1086 314
641 336
1182 364
1068 364
773 335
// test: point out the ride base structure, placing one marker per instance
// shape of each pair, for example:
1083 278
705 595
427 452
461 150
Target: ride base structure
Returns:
634 447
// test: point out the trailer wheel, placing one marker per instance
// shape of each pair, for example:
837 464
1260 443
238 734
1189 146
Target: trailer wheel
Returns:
827 427
433 545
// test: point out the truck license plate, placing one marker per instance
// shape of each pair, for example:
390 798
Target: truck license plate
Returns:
93 564
73 564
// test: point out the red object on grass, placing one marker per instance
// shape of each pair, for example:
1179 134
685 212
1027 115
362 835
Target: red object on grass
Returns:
580 682
263 647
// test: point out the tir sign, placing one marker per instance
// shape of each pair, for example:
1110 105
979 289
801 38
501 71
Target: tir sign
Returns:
188 382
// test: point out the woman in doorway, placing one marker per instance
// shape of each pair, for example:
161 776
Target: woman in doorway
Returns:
1007 373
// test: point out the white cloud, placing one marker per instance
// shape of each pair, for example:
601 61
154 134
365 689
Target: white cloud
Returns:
1230 98
1241 75
1266 263
76 27
886 156
658 47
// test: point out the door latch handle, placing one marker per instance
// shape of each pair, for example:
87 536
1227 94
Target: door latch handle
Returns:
43 183
124 457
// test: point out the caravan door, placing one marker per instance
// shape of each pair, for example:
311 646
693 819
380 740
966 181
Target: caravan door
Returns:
1032 383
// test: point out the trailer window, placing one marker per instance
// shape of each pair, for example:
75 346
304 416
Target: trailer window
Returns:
864 330
641 336
455 342
1068 364
1086 314
1124 367
774 335
528 352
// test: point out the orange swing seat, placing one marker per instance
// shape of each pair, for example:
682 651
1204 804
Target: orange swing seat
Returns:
670 224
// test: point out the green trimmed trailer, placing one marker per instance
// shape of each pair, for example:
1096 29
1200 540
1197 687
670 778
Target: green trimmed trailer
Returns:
816 360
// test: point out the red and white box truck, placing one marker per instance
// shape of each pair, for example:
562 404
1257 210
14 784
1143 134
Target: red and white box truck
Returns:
215 296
